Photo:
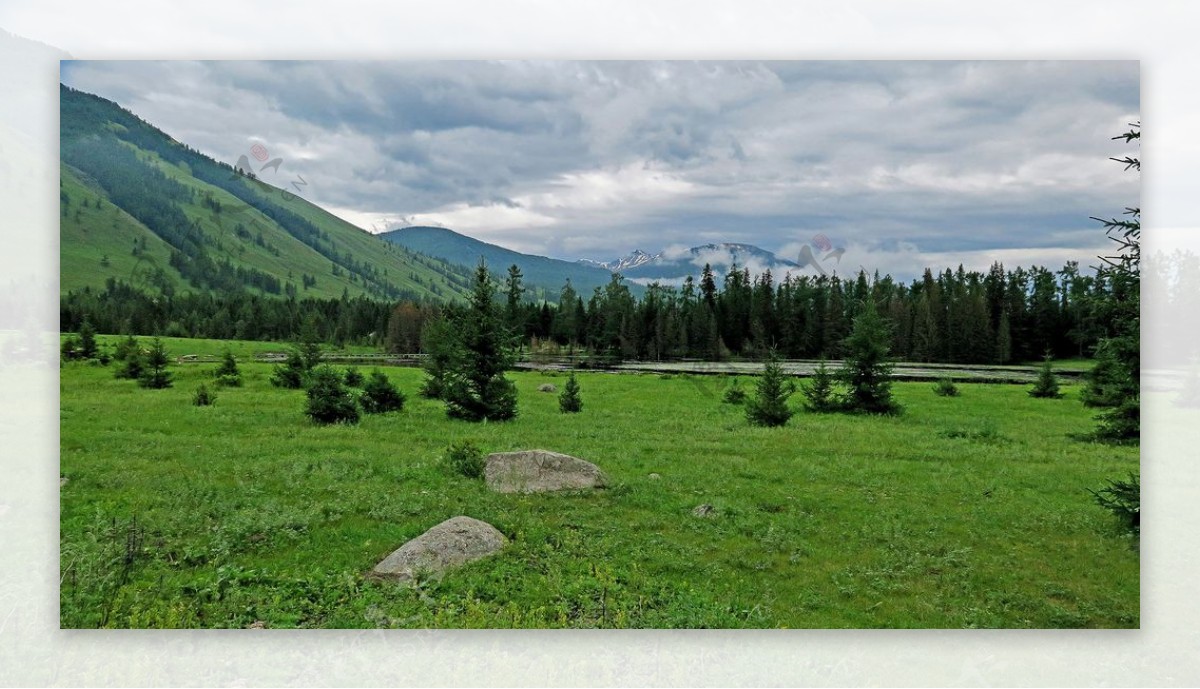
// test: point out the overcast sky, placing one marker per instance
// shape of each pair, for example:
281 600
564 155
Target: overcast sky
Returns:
903 164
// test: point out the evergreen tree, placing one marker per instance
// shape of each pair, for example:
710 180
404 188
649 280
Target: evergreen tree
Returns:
569 401
353 378
441 346
379 395
310 345
867 370
769 406
292 373
735 393
87 341
1046 384
476 388
1123 422
819 394
328 400
227 374
155 375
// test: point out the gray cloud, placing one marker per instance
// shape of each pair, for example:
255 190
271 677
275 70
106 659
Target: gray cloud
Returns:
595 159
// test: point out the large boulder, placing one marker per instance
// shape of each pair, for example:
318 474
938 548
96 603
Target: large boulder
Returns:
451 544
539 471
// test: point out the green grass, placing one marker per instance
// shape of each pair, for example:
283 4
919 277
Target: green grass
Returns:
964 512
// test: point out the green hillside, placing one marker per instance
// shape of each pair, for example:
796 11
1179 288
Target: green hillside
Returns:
537 271
139 207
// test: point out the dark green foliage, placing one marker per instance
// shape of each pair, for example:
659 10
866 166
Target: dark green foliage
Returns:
310 345
203 396
379 395
353 378
867 370
155 374
1118 382
328 400
819 394
1122 423
569 401
945 387
130 359
227 374
438 341
1123 498
292 373
735 393
70 348
87 341
1046 385
475 386
465 458
769 406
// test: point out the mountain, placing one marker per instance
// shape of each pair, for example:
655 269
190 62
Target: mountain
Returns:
538 272
140 207
673 265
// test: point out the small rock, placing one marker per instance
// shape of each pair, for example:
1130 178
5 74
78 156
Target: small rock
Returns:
257 624
655 477
62 481
453 543
704 511
547 387
538 471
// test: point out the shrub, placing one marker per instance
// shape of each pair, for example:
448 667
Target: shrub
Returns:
946 387
132 366
1123 499
464 457
1046 385
126 348
292 373
203 397
328 400
380 395
819 394
155 374
569 401
734 394
70 348
353 378
87 341
769 405
227 373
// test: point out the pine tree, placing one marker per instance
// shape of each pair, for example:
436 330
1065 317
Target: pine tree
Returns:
87 341
441 347
292 373
569 401
310 344
328 400
379 395
819 394
476 388
227 374
769 405
735 393
353 377
203 397
1046 385
867 369
131 359
155 375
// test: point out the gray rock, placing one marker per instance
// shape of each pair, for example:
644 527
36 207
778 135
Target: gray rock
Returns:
655 476
451 544
538 471
704 511
547 387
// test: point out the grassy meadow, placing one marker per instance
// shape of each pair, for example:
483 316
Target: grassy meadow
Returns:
964 512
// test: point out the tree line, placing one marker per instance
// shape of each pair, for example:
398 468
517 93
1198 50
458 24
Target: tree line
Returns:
995 317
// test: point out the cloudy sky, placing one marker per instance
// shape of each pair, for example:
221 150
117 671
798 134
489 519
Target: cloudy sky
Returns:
903 164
